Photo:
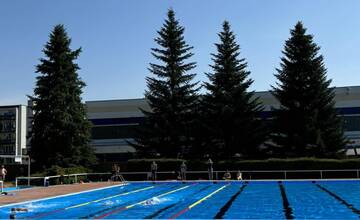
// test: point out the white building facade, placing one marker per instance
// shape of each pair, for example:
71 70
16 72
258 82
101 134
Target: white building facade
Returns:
13 131
115 123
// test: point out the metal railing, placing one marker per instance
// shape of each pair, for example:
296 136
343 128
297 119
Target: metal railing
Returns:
28 180
67 178
250 174
199 175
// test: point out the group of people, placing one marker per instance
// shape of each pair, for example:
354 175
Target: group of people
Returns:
227 175
181 174
116 176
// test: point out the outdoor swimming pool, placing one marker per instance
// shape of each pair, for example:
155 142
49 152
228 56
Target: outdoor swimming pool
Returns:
255 199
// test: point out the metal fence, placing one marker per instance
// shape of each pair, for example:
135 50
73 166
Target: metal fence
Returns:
62 179
192 175
250 174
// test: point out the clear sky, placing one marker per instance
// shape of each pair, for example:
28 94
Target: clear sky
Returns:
116 37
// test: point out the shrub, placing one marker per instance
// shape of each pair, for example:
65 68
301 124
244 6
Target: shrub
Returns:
57 170
144 164
290 164
268 164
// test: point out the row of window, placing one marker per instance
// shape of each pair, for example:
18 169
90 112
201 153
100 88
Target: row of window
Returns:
7 137
7 149
350 123
7 125
114 132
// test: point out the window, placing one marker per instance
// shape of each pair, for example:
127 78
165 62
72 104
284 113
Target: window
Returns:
351 123
7 149
114 132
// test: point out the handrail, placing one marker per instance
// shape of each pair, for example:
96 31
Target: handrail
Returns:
46 178
216 172
250 172
146 172
271 171
246 171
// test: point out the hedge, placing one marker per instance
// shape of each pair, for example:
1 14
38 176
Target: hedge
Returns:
57 170
268 164
291 164
145 164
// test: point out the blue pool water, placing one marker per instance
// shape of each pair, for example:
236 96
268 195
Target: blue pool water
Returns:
240 200
9 189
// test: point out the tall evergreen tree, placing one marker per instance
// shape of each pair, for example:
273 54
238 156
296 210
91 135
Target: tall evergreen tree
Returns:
61 131
171 95
306 123
231 112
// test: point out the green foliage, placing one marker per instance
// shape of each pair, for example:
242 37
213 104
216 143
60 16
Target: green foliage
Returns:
290 164
231 113
144 164
171 95
306 123
268 164
61 131
57 170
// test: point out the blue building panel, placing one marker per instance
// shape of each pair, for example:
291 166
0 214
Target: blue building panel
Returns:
264 114
348 111
117 121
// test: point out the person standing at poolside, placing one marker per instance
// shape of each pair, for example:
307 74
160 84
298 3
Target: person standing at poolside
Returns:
154 168
115 172
3 173
239 175
210 169
183 171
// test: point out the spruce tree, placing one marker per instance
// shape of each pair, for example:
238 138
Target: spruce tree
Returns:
171 95
231 112
306 123
60 131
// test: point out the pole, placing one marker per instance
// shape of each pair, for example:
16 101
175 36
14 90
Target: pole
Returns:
29 164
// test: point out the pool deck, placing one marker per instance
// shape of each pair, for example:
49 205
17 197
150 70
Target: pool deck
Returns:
51 191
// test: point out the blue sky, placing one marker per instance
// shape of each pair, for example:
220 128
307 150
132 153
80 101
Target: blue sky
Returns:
116 37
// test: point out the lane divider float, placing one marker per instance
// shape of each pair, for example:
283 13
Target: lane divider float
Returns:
139 203
40 215
198 202
110 197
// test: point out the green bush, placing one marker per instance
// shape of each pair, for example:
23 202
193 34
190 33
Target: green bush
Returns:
268 164
145 164
57 170
290 164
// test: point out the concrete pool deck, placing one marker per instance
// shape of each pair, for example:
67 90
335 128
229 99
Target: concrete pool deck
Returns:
51 191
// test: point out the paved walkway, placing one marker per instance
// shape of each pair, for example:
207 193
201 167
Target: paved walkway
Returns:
43 192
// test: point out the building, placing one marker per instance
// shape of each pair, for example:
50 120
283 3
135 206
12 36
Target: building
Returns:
13 131
115 122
